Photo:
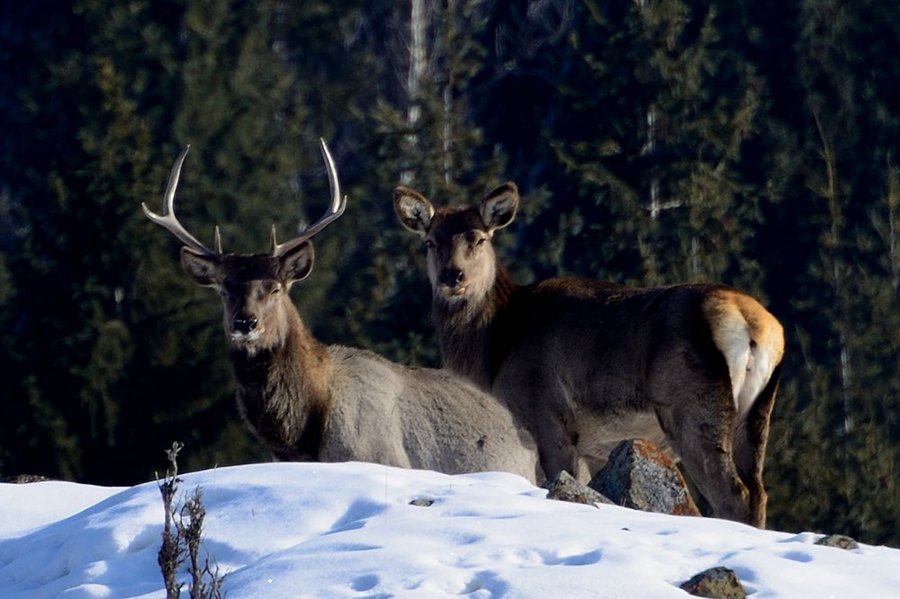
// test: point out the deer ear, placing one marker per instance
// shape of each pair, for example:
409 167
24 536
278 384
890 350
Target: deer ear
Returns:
498 208
201 268
296 264
413 210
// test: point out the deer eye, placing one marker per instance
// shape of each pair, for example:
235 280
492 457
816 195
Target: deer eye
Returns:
474 239
275 289
429 245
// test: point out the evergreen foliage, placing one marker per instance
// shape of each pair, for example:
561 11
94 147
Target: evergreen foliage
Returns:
658 141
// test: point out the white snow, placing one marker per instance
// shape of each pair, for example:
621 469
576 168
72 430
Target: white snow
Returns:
348 530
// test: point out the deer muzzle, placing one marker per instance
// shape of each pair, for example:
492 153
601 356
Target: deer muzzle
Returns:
245 330
452 282
244 325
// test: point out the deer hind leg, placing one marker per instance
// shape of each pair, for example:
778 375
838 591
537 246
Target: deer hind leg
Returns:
750 438
699 425
751 341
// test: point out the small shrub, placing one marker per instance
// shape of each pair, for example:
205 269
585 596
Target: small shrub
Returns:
181 538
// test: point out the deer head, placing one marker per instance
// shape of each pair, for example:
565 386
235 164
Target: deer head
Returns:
254 287
461 260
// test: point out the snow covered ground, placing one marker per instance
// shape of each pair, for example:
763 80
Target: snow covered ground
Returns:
348 530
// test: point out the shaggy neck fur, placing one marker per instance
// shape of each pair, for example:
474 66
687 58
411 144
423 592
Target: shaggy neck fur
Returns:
466 329
282 390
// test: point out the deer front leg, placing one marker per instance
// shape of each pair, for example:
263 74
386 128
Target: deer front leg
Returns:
556 448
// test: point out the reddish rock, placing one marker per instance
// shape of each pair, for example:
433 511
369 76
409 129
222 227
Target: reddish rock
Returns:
640 476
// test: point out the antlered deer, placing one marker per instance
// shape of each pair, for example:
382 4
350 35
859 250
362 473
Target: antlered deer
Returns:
585 363
308 401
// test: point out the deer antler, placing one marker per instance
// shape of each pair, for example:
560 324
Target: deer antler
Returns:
336 209
170 222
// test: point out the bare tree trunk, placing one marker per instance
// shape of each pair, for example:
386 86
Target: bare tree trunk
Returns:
836 267
418 65
650 150
836 272
447 132
893 215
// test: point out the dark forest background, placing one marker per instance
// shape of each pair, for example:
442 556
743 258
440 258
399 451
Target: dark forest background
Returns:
655 141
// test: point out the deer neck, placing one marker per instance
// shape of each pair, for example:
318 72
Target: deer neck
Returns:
283 390
467 330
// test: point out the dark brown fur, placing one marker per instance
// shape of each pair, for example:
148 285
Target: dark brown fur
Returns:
586 363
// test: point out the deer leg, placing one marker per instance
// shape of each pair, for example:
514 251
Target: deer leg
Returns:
557 448
539 403
748 458
701 434
750 438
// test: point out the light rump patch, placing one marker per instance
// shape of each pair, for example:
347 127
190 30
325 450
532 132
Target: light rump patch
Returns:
732 336
750 338
584 362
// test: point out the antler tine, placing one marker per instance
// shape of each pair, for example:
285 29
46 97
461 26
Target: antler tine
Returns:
335 210
168 220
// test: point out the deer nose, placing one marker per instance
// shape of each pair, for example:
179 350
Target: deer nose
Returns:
452 277
244 325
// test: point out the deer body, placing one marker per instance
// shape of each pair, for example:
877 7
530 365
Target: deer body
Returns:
308 401
585 363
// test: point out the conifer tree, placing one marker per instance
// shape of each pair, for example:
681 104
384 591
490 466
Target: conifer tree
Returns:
655 141
848 335
135 351
425 140
658 168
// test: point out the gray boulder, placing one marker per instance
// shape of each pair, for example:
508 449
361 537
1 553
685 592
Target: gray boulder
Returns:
839 541
565 488
719 583
640 476
24 479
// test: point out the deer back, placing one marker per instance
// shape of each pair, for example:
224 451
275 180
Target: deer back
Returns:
421 418
587 363
306 401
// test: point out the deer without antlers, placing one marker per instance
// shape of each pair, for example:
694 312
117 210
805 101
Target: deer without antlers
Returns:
308 401
585 363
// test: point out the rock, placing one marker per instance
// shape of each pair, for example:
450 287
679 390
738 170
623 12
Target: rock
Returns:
640 476
422 502
565 488
21 479
720 583
839 541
